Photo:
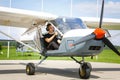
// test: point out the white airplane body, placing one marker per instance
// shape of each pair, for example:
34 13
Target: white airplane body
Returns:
77 38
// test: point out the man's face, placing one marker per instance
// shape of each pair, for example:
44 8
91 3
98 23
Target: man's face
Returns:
51 28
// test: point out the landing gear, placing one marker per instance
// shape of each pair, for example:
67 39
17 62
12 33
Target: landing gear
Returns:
85 69
30 67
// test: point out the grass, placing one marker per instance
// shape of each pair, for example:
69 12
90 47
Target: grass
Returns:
18 55
106 56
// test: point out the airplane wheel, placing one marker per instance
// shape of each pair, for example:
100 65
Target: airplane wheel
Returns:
85 70
30 69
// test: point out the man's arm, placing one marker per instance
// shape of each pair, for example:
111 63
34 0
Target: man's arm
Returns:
51 38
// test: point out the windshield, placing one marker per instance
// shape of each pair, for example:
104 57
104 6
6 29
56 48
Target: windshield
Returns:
65 24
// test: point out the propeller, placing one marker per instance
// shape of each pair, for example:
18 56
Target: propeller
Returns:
99 34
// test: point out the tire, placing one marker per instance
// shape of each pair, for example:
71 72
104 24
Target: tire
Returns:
85 70
30 69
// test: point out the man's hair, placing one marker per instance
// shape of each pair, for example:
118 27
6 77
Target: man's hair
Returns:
47 28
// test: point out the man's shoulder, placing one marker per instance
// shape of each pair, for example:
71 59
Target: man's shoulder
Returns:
46 35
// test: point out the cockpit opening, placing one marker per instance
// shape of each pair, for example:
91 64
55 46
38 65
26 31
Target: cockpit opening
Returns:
66 24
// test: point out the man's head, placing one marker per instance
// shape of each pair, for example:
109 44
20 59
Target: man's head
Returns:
50 28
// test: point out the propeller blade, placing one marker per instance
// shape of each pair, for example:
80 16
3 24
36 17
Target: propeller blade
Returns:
110 45
86 38
101 16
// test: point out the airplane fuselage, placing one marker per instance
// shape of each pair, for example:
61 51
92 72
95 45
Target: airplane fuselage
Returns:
74 29
88 48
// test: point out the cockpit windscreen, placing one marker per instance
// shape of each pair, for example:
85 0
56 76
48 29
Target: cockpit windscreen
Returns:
65 24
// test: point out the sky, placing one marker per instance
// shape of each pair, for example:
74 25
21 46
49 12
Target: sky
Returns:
79 8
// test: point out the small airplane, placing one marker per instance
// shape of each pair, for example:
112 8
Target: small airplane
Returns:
77 39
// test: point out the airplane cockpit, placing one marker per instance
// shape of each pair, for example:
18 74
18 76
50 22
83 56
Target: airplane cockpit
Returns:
66 24
62 25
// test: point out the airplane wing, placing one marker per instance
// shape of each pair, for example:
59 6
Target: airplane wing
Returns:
22 18
115 37
108 23
12 17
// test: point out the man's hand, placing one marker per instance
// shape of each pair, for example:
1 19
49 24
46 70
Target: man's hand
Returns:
56 33
59 41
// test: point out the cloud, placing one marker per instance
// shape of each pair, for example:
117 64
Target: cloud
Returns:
112 7
91 9
85 9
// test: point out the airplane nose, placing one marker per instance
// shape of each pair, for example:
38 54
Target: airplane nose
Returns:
99 33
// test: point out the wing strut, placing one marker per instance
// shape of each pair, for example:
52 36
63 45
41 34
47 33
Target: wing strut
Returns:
19 41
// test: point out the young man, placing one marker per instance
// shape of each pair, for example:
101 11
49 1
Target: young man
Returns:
51 40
